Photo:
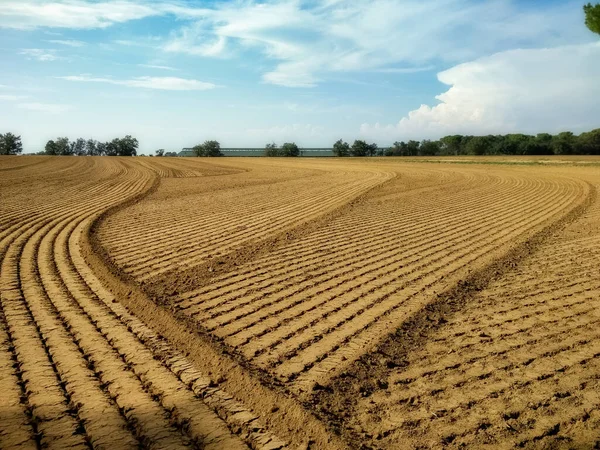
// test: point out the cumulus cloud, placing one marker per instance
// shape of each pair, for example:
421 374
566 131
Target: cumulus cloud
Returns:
50 108
534 90
160 83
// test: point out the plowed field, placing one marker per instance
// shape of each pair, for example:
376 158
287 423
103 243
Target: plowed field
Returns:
271 303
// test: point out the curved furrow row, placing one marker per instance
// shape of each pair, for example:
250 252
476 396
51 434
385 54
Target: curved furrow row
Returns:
292 322
335 266
517 367
77 370
219 230
361 333
260 198
323 248
219 234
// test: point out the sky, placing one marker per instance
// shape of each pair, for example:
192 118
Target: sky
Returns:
174 73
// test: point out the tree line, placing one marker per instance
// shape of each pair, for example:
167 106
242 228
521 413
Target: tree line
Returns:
62 146
565 143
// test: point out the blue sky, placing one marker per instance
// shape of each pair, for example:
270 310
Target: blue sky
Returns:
175 73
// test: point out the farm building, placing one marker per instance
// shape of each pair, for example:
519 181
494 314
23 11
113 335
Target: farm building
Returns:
261 152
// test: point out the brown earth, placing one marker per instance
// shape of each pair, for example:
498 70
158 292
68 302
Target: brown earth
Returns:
265 303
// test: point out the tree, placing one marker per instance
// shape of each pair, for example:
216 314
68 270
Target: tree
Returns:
63 147
51 148
199 150
372 149
563 143
127 146
171 154
592 17
160 152
78 147
429 148
212 148
412 148
478 145
101 148
589 143
112 148
91 147
451 145
341 148
359 148
10 144
271 150
290 149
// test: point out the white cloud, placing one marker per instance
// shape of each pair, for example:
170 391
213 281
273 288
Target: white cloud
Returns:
157 66
39 54
534 90
67 42
161 83
51 108
310 40
76 14
11 97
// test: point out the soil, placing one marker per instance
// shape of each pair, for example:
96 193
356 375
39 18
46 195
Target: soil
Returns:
310 303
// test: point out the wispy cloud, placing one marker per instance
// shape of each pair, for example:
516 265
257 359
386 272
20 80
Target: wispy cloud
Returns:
157 67
160 83
310 40
39 54
8 97
75 14
307 41
67 42
50 108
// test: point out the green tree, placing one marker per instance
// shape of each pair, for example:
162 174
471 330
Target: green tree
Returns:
372 149
199 150
212 148
341 148
112 148
160 152
478 145
451 145
412 148
78 147
51 148
126 146
589 143
429 148
271 149
91 147
10 144
101 149
290 149
592 17
359 148
63 146
564 143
